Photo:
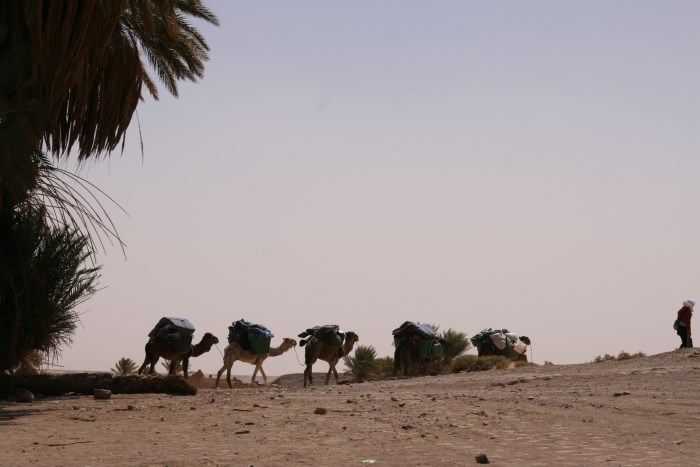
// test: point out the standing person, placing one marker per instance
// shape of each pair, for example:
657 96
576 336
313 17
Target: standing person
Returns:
684 315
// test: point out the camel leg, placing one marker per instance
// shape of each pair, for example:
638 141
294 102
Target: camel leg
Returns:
218 375
228 375
307 375
145 364
331 368
262 372
185 364
252 379
335 373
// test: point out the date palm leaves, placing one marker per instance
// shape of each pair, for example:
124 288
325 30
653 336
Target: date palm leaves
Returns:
86 63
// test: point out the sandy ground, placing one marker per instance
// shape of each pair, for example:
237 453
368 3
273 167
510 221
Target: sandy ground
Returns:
638 412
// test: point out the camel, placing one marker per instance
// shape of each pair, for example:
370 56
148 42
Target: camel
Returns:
156 348
318 349
488 348
235 352
406 356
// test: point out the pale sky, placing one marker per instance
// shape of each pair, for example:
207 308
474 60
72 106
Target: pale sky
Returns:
523 164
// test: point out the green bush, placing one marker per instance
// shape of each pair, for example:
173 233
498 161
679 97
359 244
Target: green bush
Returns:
364 363
459 343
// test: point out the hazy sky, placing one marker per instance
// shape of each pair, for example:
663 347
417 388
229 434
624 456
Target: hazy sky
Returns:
530 165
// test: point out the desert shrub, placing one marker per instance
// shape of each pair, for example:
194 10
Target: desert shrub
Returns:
519 363
548 363
605 358
620 357
364 363
463 363
459 343
498 362
474 363
166 364
30 364
384 368
124 366
628 356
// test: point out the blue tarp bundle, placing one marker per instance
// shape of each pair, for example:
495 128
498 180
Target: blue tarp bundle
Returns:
177 332
242 332
329 333
425 331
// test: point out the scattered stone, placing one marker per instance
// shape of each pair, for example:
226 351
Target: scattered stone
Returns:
402 404
482 459
530 398
102 394
242 432
162 419
320 411
193 408
679 442
407 427
212 400
75 407
130 407
394 399
623 393
24 396
250 423
345 427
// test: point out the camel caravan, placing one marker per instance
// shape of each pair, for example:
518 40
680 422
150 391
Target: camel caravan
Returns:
416 347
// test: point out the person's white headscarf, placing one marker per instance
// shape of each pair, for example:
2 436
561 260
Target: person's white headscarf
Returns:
689 303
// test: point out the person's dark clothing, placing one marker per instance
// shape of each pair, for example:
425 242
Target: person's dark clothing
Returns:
684 316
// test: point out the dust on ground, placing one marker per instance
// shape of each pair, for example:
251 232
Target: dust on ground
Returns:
637 412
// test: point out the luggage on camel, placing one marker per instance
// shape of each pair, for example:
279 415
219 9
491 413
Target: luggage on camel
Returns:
501 339
423 335
329 333
254 338
177 332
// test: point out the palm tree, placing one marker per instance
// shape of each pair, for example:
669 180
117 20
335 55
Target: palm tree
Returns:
459 343
72 74
124 366
363 364
167 364
86 65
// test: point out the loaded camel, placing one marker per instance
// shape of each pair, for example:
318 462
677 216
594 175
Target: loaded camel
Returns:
489 348
317 349
406 356
235 352
156 348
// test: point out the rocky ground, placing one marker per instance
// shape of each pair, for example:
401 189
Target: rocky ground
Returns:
636 412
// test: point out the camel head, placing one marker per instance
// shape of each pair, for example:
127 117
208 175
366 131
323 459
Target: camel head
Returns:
351 338
525 339
288 343
208 340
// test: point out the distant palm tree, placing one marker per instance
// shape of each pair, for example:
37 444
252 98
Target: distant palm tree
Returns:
124 366
364 363
166 364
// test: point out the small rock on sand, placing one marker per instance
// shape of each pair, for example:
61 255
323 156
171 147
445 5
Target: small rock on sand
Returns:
24 396
320 411
103 394
482 459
